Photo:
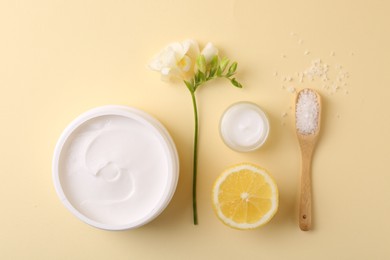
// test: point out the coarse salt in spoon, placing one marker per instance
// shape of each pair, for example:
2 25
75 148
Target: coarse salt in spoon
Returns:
307 125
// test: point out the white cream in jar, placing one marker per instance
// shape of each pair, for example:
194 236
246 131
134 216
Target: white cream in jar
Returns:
115 168
244 127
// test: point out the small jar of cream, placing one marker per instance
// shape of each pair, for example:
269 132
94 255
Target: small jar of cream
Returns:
244 127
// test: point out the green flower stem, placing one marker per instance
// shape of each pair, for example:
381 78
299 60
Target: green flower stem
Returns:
206 73
195 160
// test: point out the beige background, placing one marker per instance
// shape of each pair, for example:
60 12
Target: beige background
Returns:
61 58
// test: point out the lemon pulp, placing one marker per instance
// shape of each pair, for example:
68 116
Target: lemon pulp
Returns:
245 196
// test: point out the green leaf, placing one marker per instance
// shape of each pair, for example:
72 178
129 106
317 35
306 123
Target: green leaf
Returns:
202 77
235 83
213 66
232 68
223 64
189 85
214 62
201 63
219 71
196 78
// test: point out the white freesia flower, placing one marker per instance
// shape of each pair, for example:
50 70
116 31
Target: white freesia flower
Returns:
176 60
195 68
209 51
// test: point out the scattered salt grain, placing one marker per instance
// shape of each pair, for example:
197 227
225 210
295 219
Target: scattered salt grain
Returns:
335 87
284 114
307 112
331 78
291 89
317 69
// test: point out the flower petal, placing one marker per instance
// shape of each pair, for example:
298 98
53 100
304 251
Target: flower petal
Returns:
166 58
176 48
191 48
185 64
176 60
209 51
165 71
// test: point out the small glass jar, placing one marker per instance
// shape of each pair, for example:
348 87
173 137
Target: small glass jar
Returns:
244 127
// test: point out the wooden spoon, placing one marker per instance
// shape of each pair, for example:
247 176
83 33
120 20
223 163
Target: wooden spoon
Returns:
307 125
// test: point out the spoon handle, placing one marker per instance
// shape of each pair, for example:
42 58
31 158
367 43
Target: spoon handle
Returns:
305 199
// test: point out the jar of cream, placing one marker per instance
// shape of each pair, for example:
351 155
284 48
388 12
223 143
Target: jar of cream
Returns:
115 167
244 127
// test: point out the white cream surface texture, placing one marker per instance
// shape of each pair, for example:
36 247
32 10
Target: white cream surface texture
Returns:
244 127
116 171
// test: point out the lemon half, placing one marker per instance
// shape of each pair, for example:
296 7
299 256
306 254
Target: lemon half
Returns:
245 196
